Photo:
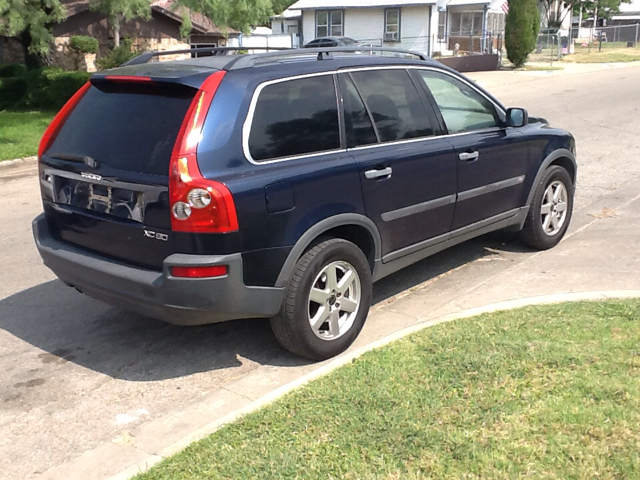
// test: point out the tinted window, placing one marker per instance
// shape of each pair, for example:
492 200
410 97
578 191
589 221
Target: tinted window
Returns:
462 107
359 127
394 104
125 126
295 117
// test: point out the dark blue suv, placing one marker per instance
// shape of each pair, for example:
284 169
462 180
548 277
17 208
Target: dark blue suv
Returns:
283 184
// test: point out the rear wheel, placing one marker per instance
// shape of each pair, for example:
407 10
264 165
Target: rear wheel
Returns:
327 301
550 210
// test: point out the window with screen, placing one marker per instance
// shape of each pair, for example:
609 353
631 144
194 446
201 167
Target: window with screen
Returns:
394 103
392 25
295 117
329 23
463 108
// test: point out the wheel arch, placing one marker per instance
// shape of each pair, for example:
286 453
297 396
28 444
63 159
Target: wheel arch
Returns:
561 157
355 228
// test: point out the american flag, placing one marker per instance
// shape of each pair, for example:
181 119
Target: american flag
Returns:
505 7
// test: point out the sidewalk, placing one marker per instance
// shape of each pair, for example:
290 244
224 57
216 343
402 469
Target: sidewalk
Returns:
600 253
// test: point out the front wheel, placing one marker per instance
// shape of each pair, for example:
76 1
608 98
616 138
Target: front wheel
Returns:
550 210
327 301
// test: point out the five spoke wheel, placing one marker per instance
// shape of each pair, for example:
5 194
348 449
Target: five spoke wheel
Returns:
553 211
334 300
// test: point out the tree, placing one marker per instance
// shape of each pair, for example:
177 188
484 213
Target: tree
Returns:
521 30
238 14
555 11
29 22
605 8
119 11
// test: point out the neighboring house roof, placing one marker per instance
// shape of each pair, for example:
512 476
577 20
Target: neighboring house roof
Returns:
201 24
289 13
325 4
628 11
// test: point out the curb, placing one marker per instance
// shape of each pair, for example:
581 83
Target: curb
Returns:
349 357
7 164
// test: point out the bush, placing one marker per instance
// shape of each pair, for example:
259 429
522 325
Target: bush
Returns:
118 55
12 70
47 88
521 30
83 44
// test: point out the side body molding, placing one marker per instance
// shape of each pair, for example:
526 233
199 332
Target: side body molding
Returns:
318 229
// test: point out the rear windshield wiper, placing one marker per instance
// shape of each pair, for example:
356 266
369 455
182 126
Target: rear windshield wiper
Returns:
71 157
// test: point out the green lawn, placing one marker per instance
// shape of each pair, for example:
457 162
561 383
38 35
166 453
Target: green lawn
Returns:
540 392
20 132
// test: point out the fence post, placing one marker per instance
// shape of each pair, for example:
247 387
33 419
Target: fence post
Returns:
636 42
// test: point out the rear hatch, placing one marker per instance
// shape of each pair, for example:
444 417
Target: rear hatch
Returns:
104 178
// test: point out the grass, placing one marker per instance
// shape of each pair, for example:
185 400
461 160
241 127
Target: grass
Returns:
20 132
607 55
540 68
540 392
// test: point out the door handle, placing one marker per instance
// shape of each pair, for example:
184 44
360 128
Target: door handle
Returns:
468 156
371 174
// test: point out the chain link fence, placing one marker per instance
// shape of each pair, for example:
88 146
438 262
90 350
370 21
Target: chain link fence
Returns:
617 36
549 48
446 45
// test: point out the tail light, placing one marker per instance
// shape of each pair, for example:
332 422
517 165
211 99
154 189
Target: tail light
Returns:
198 204
56 124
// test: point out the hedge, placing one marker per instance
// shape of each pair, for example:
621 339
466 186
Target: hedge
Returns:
47 88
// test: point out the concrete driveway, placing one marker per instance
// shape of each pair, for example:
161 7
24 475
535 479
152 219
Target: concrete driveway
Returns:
87 390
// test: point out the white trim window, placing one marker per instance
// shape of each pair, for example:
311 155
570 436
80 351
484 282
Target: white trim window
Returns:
442 23
329 23
392 25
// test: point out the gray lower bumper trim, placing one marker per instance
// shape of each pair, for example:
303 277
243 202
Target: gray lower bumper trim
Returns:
157 294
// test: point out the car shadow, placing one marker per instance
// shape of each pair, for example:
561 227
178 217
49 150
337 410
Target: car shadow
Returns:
69 326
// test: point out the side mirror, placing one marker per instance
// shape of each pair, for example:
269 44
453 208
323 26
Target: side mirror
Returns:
517 117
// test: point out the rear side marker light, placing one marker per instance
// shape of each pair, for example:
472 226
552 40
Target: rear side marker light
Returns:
199 272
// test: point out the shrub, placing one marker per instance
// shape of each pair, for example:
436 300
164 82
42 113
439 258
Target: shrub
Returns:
12 90
83 44
12 70
118 55
47 88
521 30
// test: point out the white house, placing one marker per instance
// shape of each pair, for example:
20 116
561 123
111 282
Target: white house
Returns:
287 22
428 26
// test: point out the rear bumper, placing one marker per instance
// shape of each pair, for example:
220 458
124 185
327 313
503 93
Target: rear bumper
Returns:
158 294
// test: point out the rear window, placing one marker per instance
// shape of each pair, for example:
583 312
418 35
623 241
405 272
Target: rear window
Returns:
295 117
126 126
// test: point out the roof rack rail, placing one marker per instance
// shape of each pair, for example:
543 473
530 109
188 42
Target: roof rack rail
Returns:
215 51
323 53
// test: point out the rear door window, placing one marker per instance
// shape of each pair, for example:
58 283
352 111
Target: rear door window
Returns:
126 126
295 117
358 123
394 103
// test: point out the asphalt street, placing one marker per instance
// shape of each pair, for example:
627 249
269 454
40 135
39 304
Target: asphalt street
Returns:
75 373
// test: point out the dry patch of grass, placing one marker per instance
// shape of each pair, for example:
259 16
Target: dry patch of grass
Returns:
606 55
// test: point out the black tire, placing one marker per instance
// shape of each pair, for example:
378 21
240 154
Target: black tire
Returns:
533 233
292 327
